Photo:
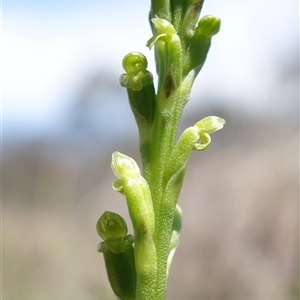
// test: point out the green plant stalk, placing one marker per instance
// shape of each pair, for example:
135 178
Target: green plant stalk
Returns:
165 199
172 95
181 45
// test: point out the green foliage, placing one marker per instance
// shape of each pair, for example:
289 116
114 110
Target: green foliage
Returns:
181 44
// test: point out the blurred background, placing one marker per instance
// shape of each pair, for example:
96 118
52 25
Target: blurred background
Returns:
64 113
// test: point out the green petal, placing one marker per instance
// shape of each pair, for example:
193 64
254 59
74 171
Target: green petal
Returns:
210 124
163 28
205 140
150 43
124 166
118 186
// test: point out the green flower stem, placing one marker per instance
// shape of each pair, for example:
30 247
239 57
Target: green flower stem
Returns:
162 143
181 45
164 193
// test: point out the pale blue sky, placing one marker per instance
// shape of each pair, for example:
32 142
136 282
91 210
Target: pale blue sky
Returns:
49 47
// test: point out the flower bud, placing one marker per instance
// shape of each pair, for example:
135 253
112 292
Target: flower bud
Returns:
111 226
208 26
200 43
134 62
124 166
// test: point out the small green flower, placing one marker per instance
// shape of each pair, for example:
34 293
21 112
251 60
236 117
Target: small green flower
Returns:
118 254
136 76
169 52
206 126
164 31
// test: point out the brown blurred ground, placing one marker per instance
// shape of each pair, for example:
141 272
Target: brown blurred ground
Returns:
240 218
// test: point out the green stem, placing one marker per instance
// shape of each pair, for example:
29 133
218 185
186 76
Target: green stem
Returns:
164 202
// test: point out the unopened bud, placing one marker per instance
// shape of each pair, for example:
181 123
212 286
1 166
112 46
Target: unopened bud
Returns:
208 26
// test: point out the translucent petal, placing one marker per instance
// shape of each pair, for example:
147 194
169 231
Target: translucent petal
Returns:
124 166
210 124
205 140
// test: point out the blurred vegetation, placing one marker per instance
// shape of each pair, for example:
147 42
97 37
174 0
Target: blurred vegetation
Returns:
239 202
